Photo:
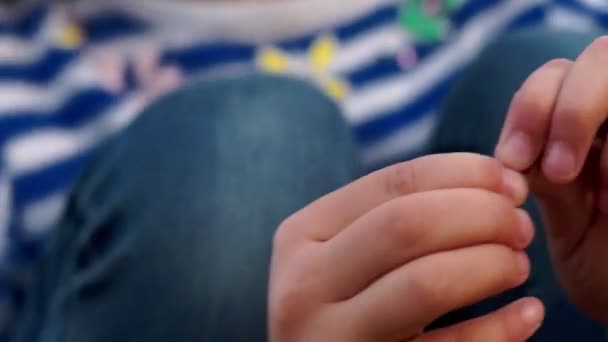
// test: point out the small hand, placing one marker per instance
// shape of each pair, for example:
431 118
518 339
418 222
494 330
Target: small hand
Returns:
553 130
383 257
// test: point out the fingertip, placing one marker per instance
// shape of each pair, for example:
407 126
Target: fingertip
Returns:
526 227
515 186
523 267
516 151
560 163
532 313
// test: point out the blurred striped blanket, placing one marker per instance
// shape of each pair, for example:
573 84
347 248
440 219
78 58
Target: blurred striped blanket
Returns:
69 80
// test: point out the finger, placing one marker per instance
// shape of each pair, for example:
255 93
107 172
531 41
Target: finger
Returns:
516 322
326 217
410 227
406 300
581 109
529 116
602 202
566 208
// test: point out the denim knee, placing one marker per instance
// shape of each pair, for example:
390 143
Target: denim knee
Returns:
170 228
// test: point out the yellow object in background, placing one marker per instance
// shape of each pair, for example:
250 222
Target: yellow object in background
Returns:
72 37
273 60
322 53
315 66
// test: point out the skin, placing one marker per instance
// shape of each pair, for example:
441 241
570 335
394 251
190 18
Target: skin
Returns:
553 131
381 258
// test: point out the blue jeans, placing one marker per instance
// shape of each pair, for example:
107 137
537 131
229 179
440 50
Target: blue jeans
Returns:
167 236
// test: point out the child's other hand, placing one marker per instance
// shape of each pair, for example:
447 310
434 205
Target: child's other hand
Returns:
553 129
381 258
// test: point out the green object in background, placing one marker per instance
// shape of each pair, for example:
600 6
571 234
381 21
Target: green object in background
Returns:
428 20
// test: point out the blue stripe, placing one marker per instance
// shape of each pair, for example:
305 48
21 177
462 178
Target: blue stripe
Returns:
471 9
81 108
205 56
600 17
388 66
43 183
380 68
535 15
394 120
208 55
41 71
111 25
382 16
28 25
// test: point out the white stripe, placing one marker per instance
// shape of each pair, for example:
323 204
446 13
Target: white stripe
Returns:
383 41
5 210
560 17
598 5
40 149
401 143
401 90
46 99
16 51
27 97
39 217
84 72
87 71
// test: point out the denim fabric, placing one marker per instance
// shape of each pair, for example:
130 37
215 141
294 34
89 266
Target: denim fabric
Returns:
472 118
167 236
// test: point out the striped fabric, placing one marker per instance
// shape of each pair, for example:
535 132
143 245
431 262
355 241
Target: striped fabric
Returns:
67 86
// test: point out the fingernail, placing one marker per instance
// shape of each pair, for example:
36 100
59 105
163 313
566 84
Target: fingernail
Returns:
526 228
514 185
532 313
560 164
523 264
516 151
602 201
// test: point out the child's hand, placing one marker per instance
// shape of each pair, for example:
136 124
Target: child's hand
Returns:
381 258
553 130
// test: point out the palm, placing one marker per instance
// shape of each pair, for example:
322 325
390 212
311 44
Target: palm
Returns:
577 233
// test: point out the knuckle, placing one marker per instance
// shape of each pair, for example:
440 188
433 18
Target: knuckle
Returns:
465 334
600 44
572 116
495 206
294 294
401 179
533 100
285 235
507 265
286 309
400 228
489 173
432 289
505 329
